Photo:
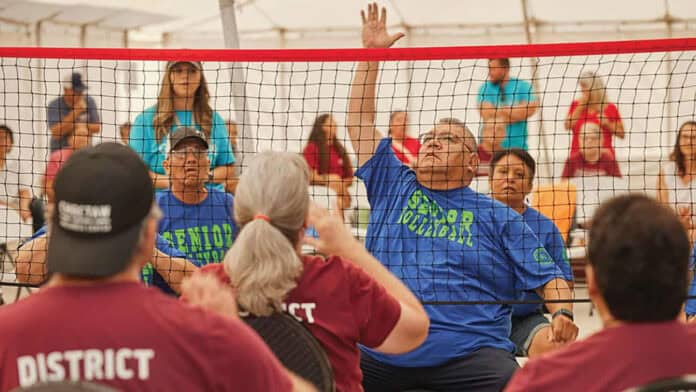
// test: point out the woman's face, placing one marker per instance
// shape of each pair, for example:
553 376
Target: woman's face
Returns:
510 180
329 128
185 80
687 140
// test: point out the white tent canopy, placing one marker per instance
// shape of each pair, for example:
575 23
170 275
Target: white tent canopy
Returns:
335 23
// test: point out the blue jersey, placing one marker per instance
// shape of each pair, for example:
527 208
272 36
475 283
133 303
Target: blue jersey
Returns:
514 92
143 141
691 303
551 238
454 245
148 274
203 232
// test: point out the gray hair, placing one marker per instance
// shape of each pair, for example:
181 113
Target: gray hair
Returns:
263 263
467 132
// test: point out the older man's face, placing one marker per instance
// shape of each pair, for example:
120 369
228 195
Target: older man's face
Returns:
189 164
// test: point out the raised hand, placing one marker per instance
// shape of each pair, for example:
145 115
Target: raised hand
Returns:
374 28
334 237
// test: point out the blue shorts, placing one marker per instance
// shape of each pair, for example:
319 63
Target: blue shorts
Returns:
523 330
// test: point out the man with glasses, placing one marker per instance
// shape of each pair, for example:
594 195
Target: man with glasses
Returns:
198 221
448 244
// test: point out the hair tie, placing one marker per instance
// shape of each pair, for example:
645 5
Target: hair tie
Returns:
262 217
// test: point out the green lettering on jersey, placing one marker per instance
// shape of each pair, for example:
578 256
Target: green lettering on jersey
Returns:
194 239
227 228
217 236
180 235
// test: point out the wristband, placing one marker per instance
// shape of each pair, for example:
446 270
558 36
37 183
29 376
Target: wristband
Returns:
564 312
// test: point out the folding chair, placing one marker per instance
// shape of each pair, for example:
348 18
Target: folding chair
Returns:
295 347
558 202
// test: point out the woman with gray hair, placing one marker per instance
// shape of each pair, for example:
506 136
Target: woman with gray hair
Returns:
344 300
593 106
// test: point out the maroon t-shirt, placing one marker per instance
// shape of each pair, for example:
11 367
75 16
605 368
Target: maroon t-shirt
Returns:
341 306
311 154
133 338
613 359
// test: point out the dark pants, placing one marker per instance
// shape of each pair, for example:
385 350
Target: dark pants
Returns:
487 369
36 207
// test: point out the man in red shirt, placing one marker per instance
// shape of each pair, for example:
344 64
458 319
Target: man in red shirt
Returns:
94 321
405 147
637 277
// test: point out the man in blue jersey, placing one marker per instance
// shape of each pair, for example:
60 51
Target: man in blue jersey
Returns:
507 99
448 244
511 177
198 221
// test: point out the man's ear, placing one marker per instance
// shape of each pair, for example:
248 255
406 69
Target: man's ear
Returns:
165 165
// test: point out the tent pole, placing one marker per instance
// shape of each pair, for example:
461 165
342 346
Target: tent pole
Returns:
543 145
238 79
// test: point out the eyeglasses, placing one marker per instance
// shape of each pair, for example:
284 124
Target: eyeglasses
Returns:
443 138
197 153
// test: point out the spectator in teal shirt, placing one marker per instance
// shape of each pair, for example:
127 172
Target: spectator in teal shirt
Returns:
508 99
183 101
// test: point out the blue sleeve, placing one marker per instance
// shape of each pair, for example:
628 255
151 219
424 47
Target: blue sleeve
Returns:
165 247
92 112
382 173
691 303
221 139
556 247
534 266
142 138
53 116
486 96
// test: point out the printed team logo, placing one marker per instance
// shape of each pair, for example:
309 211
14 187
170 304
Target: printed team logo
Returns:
541 256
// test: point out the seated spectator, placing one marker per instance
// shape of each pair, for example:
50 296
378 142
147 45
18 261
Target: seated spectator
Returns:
511 178
183 101
592 159
15 184
328 160
94 321
492 135
405 147
197 221
344 300
675 185
80 138
637 278
594 106
63 111
124 132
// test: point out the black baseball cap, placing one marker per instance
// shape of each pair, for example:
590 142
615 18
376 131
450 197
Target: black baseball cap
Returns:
102 195
195 64
74 82
187 133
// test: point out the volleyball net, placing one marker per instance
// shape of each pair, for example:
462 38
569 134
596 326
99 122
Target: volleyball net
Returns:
600 119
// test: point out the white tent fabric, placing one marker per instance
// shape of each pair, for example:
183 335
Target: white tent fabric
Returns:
335 23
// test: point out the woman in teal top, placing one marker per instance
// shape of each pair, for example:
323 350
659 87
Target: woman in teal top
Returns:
183 101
